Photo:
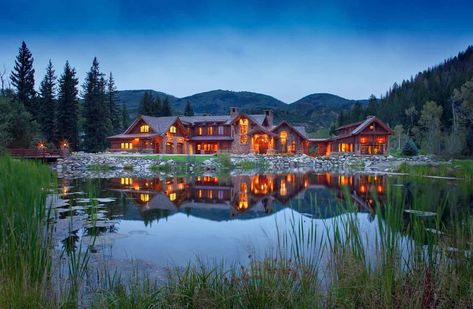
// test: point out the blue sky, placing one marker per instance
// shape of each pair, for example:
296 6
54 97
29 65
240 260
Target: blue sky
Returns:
286 49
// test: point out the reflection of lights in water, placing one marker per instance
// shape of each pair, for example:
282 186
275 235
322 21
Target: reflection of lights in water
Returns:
380 189
306 183
243 203
144 197
363 188
65 189
136 186
283 189
290 178
261 184
344 180
172 197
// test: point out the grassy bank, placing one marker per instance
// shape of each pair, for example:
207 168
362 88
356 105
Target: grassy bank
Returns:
457 168
176 158
25 261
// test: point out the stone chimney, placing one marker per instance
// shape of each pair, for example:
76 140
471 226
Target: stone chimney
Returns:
234 112
269 117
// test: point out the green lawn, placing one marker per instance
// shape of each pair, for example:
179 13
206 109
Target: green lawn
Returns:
177 158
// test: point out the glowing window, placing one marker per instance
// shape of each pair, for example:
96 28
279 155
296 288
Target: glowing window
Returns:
126 146
215 147
199 146
363 139
243 131
144 128
126 181
283 137
293 146
173 129
172 197
199 131
210 131
144 197
381 140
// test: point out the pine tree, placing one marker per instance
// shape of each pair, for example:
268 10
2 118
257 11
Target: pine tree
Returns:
124 118
188 110
114 110
166 108
22 78
146 104
47 109
156 107
67 116
372 107
97 124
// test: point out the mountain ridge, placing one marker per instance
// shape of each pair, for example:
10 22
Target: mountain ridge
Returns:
315 111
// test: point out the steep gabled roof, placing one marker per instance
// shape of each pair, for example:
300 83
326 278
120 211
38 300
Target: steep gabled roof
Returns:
358 127
160 125
299 130
367 122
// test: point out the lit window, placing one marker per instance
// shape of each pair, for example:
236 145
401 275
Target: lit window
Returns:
144 197
126 181
126 146
199 146
215 147
210 131
173 129
380 140
220 130
293 146
144 128
199 131
172 197
243 131
363 139
283 137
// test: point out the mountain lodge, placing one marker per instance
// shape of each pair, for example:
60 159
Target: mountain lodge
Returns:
242 133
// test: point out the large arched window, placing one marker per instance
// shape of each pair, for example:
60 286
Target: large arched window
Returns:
283 137
243 130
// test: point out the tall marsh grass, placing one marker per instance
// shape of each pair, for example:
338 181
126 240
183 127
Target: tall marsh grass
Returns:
25 261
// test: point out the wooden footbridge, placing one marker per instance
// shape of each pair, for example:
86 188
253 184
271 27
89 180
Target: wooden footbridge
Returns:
48 155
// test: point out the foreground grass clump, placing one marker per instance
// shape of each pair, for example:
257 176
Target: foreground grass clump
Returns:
457 168
25 261
265 284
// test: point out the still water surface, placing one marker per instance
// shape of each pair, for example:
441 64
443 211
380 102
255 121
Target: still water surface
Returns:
175 220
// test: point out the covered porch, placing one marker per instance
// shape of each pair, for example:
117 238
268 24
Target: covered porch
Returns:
147 143
262 141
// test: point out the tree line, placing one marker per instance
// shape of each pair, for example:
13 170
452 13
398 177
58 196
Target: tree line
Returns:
57 113
434 109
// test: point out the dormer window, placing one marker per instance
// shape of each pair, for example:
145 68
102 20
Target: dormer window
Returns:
173 129
144 128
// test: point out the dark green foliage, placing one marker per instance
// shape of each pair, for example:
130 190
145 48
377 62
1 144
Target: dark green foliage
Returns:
16 125
22 78
188 111
47 104
124 118
67 123
114 110
166 108
148 105
97 124
410 148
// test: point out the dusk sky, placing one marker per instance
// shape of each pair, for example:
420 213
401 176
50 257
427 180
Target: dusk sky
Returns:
285 49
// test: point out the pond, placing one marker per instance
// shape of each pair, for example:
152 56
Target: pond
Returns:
177 220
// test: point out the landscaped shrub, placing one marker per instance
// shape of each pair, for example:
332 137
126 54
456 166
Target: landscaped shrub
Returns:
410 148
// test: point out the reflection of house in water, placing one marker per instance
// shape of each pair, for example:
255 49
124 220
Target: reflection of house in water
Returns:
245 196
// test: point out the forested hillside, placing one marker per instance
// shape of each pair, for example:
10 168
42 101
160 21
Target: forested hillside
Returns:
434 107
